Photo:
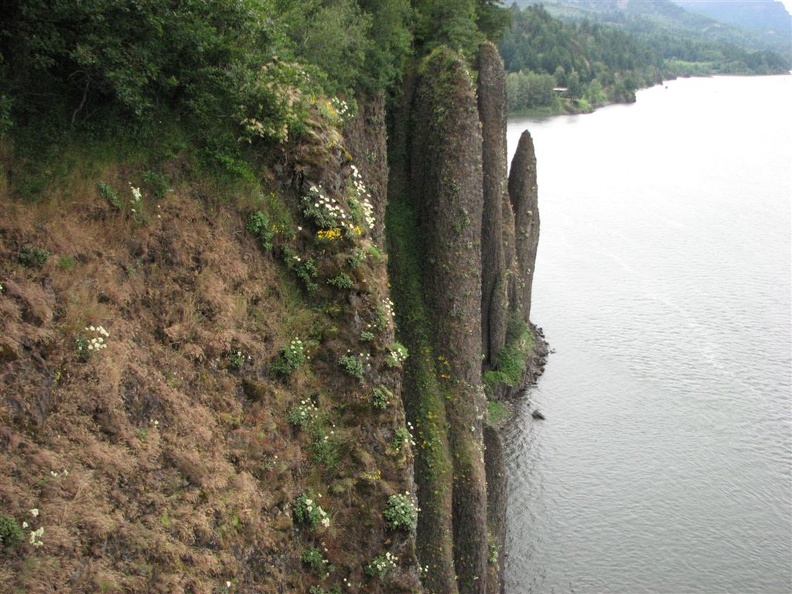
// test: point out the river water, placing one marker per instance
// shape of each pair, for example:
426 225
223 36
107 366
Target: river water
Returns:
664 464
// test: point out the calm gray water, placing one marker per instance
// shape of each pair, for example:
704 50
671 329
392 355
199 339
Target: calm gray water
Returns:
663 284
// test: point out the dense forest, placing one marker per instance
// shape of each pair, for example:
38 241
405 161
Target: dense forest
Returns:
597 63
210 73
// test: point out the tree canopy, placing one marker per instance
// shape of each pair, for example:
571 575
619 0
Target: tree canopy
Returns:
216 65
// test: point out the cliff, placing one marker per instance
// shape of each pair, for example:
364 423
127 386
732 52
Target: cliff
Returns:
204 387
200 383
462 284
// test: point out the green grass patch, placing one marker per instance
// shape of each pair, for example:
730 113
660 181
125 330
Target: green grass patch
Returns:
423 392
497 412
511 361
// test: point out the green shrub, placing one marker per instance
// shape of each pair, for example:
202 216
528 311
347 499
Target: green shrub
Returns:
401 513
11 535
290 359
380 565
237 358
308 513
109 194
304 268
401 438
313 558
356 257
259 225
324 449
303 415
87 345
157 182
322 210
492 555
397 355
382 316
66 263
33 257
381 397
342 281
353 366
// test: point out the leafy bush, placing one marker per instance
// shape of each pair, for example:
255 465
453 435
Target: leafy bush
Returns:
380 565
33 257
397 355
401 513
353 366
313 558
342 281
324 449
109 194
303 415
237 358
401 438
382 316
11 534
304 268
137 56
157 182
86 345
324 211
356 257
259 225
308 513
381 397
290 359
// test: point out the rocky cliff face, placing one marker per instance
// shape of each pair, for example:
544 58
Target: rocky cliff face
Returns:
524 195
460 283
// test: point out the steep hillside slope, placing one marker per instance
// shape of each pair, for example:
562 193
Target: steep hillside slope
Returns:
200 387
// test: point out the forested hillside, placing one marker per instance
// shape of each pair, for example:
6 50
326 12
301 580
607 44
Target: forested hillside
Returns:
667 16
768 19
603 51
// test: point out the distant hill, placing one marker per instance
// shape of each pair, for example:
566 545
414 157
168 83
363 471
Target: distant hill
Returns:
575 55
745 24
766 18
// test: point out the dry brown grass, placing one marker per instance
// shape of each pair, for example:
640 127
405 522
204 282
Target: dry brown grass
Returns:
157 466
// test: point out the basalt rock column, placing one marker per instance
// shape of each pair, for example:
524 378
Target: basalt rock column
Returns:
523 193
497 239
446 174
